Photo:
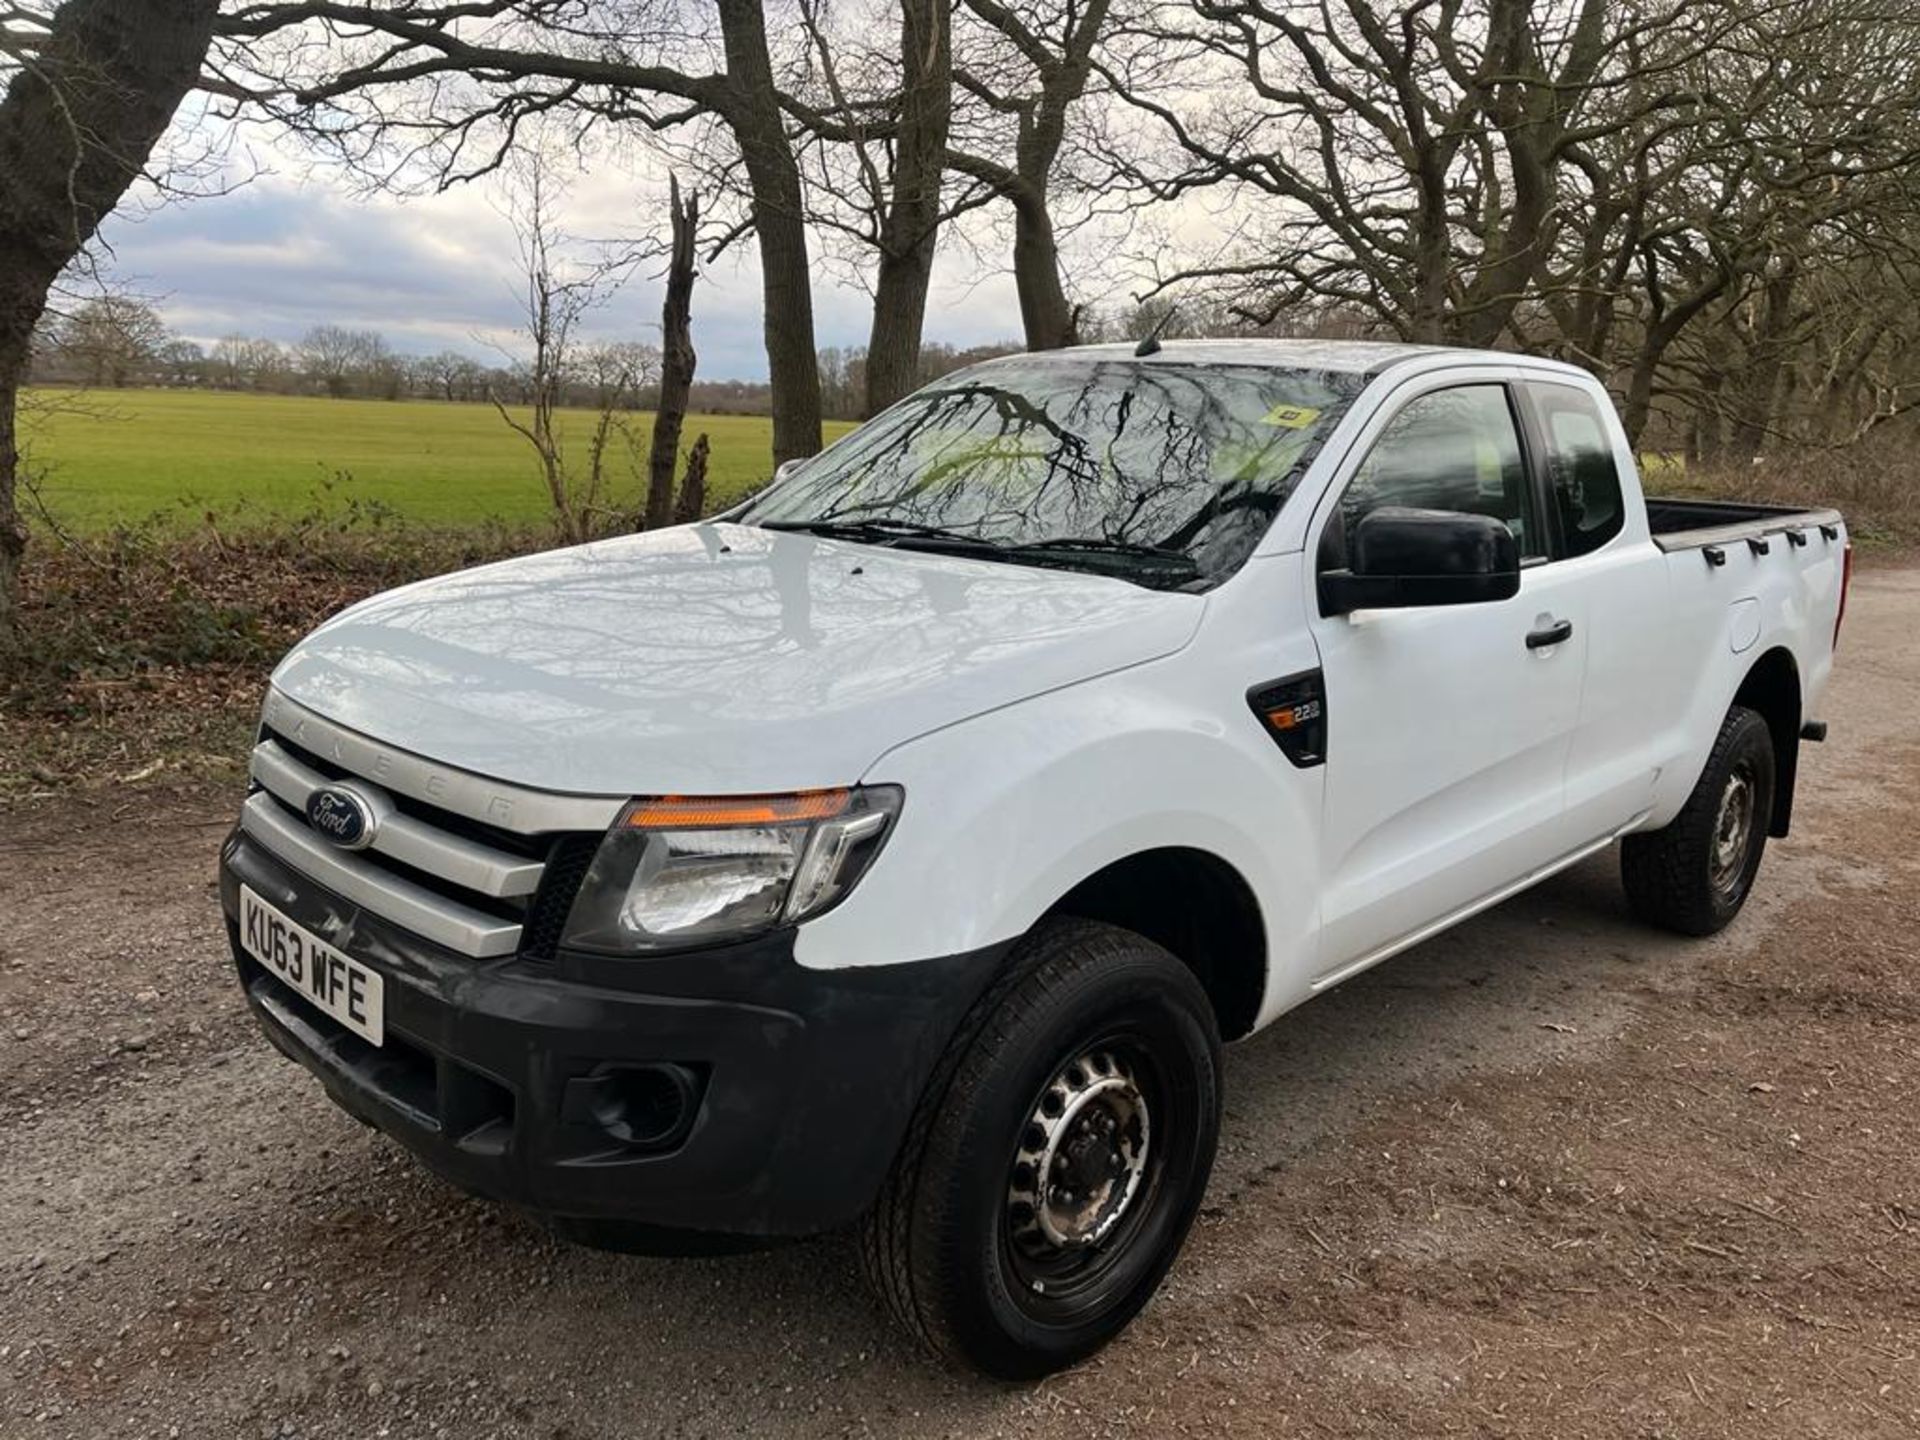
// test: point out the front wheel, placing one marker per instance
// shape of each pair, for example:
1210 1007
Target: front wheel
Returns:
1693 875
1058 1157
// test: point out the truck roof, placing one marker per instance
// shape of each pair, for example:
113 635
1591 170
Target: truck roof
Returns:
1360 357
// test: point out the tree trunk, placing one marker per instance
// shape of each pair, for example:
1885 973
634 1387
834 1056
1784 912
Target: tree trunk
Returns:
23 299
693 486
1530 110
1048 317
75 129
911 226
779 223
899 316
13 530
676 360
1428 318
1703 434
1652 352
1756 416
1044 309
1518 254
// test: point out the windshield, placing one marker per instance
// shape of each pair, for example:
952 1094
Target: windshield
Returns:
1163 474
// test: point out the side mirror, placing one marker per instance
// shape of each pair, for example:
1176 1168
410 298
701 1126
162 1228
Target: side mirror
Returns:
786 470
1400 557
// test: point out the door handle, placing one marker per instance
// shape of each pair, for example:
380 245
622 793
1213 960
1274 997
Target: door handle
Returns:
1549 634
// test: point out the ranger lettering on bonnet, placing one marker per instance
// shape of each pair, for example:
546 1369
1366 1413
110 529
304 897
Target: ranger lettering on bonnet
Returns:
896 850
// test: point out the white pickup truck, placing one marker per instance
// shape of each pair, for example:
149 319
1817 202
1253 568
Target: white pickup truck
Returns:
896 850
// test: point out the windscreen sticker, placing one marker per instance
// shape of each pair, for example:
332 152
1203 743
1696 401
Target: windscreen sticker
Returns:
1291 417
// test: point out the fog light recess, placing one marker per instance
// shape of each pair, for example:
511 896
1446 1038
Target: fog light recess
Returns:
644 1107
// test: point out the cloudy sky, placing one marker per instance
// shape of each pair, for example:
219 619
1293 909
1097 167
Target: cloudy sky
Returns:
292 248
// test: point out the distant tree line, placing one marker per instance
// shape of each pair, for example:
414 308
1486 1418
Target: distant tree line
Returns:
843 372
118 342
121 342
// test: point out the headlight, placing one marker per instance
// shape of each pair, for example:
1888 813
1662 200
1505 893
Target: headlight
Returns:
684 871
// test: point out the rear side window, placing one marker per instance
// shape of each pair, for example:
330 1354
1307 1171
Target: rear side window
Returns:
1581 474
1450 450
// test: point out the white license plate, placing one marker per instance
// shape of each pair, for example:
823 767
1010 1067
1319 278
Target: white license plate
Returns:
318 973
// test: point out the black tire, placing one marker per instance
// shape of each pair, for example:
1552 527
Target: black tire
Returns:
1694 875
1117 1037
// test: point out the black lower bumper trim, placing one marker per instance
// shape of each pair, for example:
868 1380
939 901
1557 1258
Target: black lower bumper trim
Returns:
545 1083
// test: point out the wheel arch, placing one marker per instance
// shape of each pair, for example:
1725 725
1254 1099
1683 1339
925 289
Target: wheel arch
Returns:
1198 907
1771 688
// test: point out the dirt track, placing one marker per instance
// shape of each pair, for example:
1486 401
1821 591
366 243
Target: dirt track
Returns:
1549 1175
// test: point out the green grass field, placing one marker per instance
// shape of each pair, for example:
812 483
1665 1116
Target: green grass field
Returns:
126 456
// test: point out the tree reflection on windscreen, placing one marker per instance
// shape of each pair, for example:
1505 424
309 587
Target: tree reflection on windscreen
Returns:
1190 460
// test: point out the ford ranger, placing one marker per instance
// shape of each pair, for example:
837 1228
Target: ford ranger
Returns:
896 850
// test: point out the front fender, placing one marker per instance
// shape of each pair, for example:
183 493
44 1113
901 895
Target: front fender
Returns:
1007 812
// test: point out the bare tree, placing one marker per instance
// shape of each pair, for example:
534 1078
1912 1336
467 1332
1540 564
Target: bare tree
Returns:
181 363
1031 71
448 85
1407 153
1672 194
447 375
111 340
241 362
677 357
881 124
558 294
616 374
985 92
341 361
91 87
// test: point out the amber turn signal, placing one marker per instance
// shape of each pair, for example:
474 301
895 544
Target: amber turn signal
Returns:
713 812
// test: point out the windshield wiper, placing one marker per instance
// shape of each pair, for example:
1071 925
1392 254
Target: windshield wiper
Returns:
1096 545
1174 565
882 530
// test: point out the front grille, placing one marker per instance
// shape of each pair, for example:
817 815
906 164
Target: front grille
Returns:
506 907
448 874
532 846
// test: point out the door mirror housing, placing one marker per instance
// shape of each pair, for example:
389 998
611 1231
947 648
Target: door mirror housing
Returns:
1400 557
786 470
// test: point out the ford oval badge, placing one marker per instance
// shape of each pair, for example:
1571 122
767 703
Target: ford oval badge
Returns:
341 816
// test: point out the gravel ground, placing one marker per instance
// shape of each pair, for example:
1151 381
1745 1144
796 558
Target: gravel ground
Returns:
1548 1175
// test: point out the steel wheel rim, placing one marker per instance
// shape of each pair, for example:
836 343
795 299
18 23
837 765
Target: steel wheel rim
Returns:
1084 1173
1733 832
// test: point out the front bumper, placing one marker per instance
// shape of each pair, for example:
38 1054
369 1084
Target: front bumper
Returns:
800 1082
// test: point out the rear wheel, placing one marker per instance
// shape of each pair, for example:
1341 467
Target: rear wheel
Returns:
1694 875
1059 1155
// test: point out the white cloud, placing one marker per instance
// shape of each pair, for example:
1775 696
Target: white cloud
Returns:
286 252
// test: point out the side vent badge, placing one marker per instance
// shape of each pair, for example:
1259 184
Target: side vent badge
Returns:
1294 712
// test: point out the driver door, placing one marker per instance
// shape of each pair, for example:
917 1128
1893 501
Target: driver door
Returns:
1449 726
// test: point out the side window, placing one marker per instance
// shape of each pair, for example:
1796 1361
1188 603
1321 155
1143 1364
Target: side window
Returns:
1451 450
1581 474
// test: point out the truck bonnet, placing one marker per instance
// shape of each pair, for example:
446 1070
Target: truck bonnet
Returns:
713 658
